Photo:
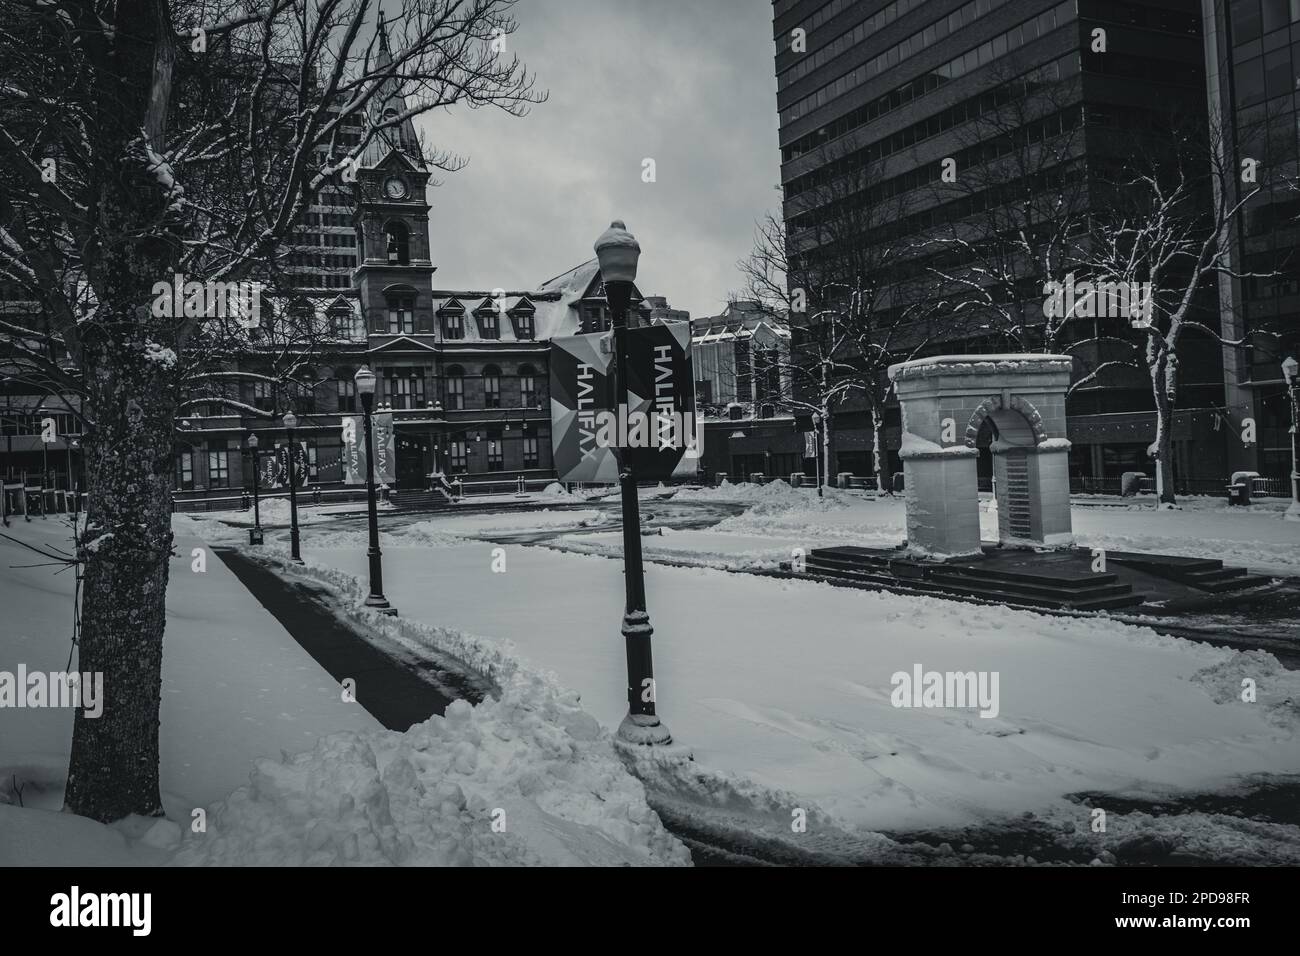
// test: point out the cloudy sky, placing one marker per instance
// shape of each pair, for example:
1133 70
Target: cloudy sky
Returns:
688 83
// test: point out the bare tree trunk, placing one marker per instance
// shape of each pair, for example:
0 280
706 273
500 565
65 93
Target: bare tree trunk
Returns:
114 763
877 456
1162 384
826 446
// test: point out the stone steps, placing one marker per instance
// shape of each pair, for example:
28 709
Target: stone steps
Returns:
1061 588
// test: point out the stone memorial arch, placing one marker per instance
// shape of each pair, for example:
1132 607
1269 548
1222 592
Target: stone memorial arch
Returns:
945 401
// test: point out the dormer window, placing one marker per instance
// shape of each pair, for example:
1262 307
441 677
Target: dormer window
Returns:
453 325
489 325
521 313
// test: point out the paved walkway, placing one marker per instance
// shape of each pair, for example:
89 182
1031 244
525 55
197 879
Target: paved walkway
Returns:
393 691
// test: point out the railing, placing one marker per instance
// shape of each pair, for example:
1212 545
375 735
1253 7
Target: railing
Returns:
1086 485
242 500
20 498
1216 487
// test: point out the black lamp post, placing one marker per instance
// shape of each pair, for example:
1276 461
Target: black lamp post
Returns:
255 532
1291 372
365 380
73 484
290 423
618 252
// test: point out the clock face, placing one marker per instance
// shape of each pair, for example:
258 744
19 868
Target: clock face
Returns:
394 188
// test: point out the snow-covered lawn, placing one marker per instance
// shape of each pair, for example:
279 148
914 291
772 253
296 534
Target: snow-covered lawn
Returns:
243 702
236 686
782 689
781 519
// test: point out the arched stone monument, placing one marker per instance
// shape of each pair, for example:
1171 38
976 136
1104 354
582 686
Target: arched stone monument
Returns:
945 400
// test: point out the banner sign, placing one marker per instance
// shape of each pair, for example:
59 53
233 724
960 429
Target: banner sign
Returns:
655 424
384 437
275 471
580 390
661 385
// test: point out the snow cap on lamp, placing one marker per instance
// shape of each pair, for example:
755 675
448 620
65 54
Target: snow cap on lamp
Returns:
617 251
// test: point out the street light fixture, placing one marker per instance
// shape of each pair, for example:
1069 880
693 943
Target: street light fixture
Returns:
365 380
290 423
255 532
1291 372
617 252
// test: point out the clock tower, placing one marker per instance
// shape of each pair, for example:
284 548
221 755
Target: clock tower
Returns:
392 218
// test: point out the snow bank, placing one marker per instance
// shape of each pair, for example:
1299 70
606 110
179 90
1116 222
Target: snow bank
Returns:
775 497
276 511
555 492
519 781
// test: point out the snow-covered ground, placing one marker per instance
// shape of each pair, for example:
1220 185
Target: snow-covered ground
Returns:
782 689
780 518
526 778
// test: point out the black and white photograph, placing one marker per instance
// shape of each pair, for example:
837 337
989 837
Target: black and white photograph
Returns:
736 434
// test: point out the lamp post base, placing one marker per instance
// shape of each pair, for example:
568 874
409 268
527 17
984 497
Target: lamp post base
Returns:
380 604
643 730
1293 512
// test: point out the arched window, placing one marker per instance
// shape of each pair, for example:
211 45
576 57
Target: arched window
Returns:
527 386
491 386
454 387
398 244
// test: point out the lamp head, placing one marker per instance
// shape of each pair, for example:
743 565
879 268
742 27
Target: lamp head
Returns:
1289 368
252 442
617 251
290 420
365 380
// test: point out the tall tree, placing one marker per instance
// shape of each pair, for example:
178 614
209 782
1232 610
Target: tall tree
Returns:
1012 209
1173 205
841 269
182 136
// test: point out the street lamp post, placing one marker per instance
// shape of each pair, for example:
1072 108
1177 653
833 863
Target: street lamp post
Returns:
1291 372
290 423
73 485
255 532
365 380
618 252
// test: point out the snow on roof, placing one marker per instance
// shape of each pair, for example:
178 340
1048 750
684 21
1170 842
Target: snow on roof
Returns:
577 279
1005 362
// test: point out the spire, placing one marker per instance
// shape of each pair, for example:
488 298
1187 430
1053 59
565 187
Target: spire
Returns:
388 102
383 38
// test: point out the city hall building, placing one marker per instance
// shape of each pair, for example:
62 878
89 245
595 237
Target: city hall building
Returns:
464 372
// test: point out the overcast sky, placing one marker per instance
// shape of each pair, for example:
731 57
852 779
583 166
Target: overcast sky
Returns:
688 83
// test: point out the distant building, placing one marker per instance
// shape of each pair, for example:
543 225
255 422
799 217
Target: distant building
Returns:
660 311
1253 51
742 388
898 87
